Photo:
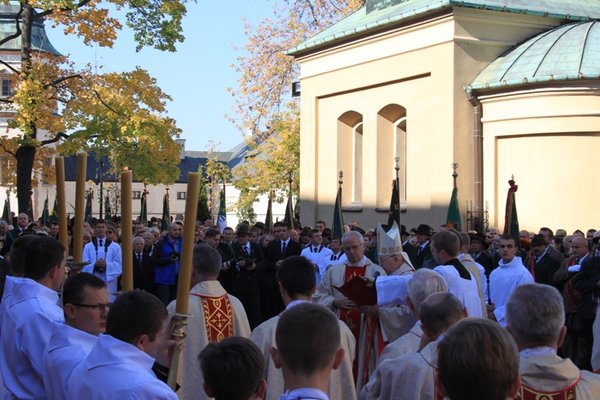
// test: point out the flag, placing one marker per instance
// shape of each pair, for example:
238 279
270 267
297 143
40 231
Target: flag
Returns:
88 206
394 213
45 213
222 218
55 208
107 209
453 217
269 217
511 221
166 217
6 211
289 211
337 228
144 208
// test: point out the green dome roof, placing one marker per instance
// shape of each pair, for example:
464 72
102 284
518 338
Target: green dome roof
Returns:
569 52
39 39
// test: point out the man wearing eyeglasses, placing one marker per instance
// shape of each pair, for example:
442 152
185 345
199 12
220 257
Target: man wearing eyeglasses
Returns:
503 280
85 306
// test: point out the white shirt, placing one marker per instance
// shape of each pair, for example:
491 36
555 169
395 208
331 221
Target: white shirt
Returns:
466 290
67 348
117 370
503 280
113 259
319 255
27 322
304 394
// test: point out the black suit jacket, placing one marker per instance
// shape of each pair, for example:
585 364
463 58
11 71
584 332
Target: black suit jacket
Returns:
244 280
586 282
143 272
419 258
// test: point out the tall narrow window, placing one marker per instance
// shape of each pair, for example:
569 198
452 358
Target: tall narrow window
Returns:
350 156
7 90
391 144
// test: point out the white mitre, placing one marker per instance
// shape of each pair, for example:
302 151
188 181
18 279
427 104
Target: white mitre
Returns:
389 243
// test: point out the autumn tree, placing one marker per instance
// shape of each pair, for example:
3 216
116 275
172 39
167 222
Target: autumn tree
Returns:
263 103
121 115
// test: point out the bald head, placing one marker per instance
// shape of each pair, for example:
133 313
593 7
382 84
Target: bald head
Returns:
439 312
579 246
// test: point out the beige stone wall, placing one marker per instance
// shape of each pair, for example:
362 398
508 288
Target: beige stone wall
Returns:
421 68
549 140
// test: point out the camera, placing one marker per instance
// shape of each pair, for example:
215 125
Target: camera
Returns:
174 256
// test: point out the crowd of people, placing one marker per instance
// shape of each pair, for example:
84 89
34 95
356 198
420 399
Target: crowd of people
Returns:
299 313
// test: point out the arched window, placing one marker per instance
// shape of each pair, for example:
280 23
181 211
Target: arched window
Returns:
391 143
350 156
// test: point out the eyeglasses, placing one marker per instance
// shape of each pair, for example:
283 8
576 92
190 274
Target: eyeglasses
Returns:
99 307
506 246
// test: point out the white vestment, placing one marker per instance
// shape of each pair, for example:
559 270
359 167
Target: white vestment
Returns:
465 289
190 375
408 343
395 320
320 256
478 272
26 323
407 377
117 370
503 280
341 383
67 348
549 373
326 293
112 256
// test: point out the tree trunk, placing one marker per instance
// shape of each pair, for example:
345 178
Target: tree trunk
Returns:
25 157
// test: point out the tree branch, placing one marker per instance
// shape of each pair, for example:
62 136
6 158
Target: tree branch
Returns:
55 139
8 151
53 10
106 105
17 26
7 65
60 80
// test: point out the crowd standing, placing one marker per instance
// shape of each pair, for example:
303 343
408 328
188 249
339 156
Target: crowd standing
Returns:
298 313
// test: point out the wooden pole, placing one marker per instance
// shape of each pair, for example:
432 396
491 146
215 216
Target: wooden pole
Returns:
185 272
79 207
185 265
126 240
61 201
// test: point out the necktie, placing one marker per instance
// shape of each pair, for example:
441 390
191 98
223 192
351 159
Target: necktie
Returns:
100 242
246 251
139 257
283 247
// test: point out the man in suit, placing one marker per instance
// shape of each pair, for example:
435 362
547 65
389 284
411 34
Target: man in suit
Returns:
277 250
421 255
143 267
540 262
245 283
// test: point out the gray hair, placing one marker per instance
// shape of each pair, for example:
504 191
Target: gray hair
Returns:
3 222
424 283
137 239
352 234
439 312
535 314
207 260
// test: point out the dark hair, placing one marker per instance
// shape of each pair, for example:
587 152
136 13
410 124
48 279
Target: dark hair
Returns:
467 375
297 276
207 260
447 241
232 368
135 313
16 256
41 256
212 232
307 338
74 286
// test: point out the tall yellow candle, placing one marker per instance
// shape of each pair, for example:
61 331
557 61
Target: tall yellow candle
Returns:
126 240
187 250
79 207
61 201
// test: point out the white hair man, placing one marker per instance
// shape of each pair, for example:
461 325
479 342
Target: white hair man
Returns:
535 315
424 283
336 276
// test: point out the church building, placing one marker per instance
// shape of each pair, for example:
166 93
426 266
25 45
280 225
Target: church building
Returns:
502 88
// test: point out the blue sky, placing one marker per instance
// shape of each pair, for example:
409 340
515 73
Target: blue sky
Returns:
196 76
